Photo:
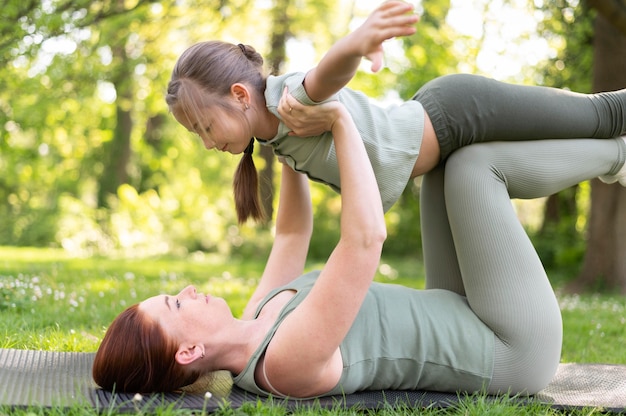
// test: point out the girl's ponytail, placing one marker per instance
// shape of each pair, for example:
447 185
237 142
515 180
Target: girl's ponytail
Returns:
246 188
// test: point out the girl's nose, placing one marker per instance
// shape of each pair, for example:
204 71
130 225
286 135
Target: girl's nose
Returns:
208 143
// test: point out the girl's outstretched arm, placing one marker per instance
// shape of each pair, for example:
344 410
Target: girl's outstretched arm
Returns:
392 18
294 225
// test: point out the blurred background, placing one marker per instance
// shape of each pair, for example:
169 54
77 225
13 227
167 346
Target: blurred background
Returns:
93 163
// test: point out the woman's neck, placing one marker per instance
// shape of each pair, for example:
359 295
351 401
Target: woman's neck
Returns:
243 338
234 347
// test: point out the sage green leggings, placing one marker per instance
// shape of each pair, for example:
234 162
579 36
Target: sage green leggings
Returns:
475 245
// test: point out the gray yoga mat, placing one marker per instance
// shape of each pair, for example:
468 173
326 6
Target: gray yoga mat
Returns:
63 379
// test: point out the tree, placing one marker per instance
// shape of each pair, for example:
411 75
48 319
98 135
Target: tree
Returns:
570 68
594 59
22 19
613 11
118 149
276 58
605 263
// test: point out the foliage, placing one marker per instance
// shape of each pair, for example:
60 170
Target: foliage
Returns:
56 151
27 24
77 70
74 83
571 207
568 26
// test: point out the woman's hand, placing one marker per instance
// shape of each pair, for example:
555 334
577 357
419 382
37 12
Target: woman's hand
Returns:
307 120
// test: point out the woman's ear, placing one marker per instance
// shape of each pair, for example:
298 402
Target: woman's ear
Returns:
187 354
241 93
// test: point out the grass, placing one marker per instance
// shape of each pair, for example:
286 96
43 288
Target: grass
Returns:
52 301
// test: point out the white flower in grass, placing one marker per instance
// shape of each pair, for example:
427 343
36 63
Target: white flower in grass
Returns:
207 397
137 397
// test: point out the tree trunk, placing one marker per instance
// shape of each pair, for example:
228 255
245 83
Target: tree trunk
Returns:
276 59
560 208
118 150
614 11
604 265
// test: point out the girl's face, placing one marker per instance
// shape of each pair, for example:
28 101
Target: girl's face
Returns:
226 131
189 316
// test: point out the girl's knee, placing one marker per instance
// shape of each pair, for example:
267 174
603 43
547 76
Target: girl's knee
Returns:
472 159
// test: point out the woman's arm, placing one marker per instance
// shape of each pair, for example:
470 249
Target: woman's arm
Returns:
301 358
294 220
294 225
340 63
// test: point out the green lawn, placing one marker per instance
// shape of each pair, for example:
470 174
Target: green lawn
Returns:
51 301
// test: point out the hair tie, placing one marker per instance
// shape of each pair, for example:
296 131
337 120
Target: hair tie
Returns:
242 47
250 147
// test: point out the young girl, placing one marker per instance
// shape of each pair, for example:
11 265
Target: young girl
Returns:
219 91
489 321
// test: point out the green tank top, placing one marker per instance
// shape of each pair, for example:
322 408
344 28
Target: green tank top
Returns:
392 137
402 339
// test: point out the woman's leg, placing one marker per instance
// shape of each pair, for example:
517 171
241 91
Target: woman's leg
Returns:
504 279
440 262
466 109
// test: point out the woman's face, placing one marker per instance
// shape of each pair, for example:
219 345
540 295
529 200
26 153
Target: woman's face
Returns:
226 131
188 316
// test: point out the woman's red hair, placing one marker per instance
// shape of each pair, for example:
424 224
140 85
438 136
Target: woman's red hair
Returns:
136 356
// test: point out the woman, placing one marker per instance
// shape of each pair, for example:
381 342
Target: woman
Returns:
219 91
489 319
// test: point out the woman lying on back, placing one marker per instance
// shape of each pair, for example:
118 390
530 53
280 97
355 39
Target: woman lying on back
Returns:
488 320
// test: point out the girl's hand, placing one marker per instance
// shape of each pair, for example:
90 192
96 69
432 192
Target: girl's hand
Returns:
307 120
391 19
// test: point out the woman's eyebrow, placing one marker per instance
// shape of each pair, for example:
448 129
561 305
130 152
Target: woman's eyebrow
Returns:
167 303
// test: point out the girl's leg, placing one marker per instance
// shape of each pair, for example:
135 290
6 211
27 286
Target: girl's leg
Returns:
504 279
440 262
467 109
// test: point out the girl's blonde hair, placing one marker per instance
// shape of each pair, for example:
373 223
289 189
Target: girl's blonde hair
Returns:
201 78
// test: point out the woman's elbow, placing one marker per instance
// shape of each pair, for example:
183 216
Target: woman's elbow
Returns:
367 238
378 234
380 237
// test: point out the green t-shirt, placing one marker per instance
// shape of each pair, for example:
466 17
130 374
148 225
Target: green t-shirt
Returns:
402 339
392 137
